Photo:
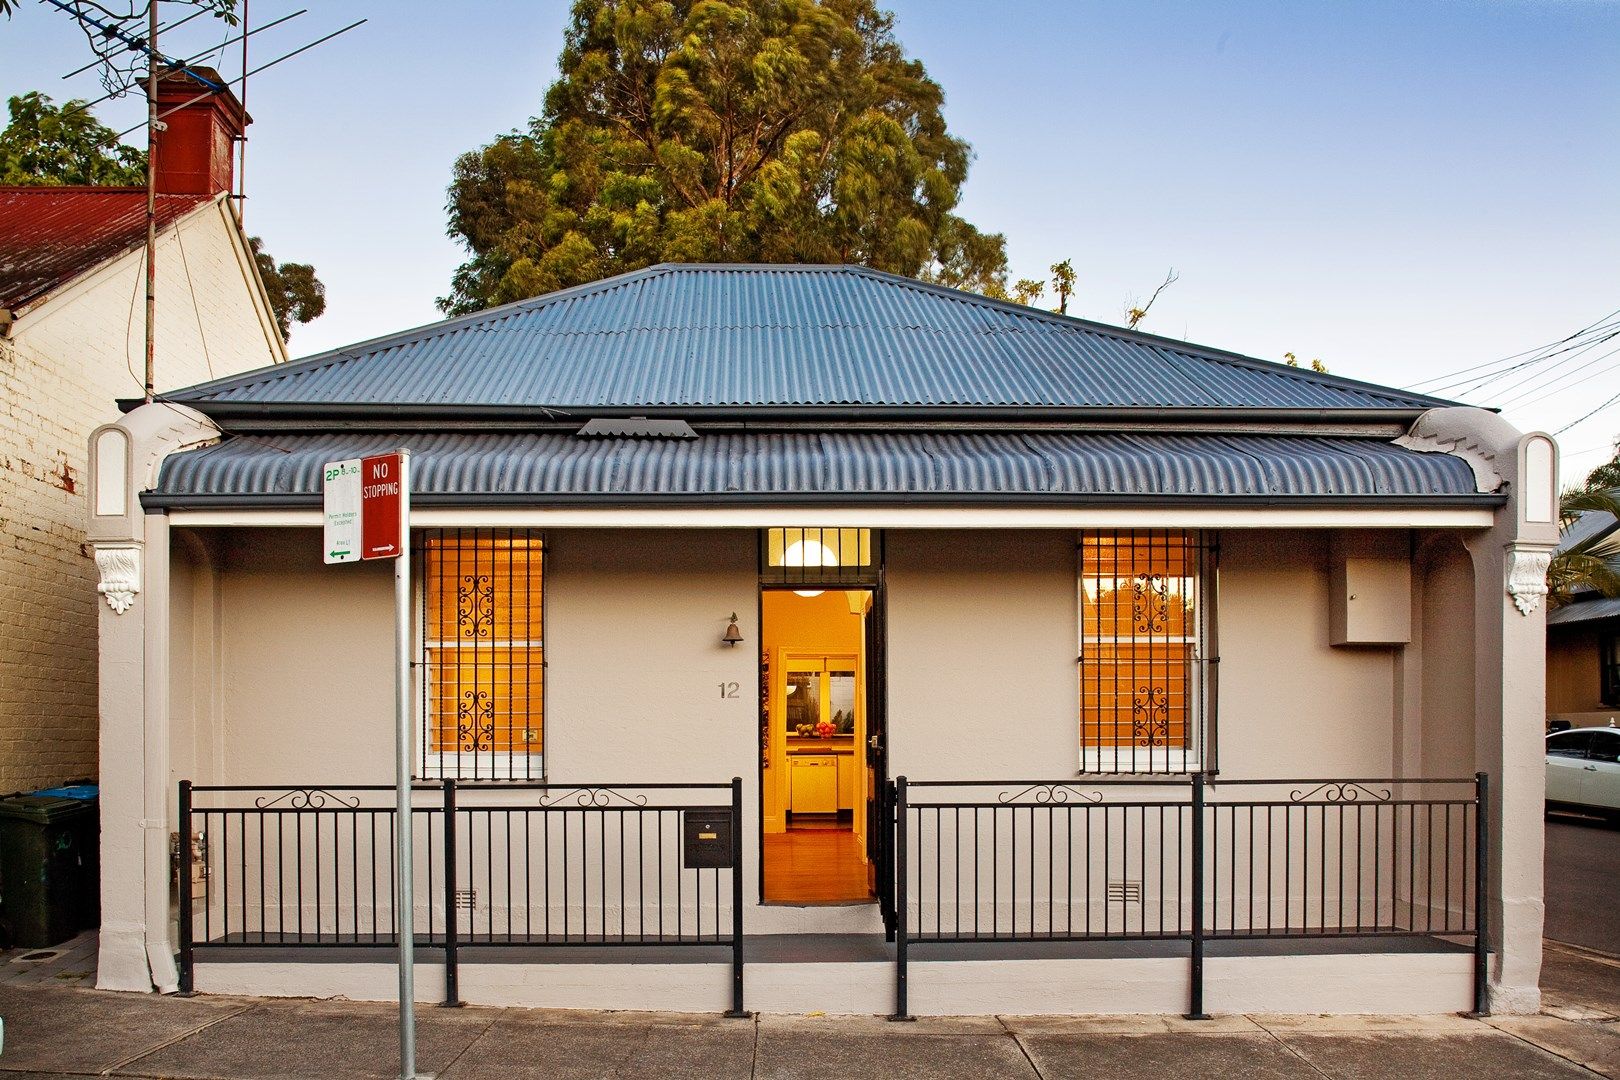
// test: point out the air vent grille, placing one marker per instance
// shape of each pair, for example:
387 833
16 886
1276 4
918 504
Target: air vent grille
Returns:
1126 892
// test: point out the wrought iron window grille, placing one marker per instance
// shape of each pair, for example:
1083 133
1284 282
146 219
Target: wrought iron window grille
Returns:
1146 642
481 654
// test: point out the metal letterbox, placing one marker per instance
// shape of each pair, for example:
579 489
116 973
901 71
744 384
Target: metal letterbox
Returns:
706 839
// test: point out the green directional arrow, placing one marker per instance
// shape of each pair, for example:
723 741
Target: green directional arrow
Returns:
336 554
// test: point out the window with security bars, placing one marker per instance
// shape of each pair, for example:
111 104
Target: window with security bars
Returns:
1145 623
483 654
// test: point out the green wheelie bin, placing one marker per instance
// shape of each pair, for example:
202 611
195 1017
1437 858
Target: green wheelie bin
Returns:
49 859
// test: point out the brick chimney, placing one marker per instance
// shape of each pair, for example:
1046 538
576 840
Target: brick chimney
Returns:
196 150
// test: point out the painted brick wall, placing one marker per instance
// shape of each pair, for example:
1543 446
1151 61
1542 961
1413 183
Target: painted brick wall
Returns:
60 371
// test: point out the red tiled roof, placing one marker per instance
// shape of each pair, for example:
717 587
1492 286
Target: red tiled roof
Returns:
51 235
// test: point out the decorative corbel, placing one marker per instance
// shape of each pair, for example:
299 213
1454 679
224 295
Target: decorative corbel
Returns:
1527 576
120 568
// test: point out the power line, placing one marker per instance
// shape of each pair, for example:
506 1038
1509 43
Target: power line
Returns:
110 31
1588 416
161 29
1563 379
1532 381
1453 375
1547 352
245 74
229 41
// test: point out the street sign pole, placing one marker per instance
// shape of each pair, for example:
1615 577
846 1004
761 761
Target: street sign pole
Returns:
402 777
368 516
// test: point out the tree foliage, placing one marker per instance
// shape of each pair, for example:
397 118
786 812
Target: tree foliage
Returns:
1606 476
50 144
296 294
702 130
1583 566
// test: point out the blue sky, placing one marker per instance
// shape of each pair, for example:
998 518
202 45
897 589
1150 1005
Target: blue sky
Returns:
1402 189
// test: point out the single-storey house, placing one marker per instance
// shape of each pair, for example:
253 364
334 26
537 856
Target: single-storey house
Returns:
72 270
801 638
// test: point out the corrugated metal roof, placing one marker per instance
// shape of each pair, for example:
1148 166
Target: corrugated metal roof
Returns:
1589 525
1584 611
804 465
721 337
51 235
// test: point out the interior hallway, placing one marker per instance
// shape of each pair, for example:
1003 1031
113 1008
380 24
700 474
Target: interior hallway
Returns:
815 866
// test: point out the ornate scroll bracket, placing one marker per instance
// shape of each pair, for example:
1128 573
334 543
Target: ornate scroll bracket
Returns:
592 796
1527 577
1050 794
1341 793
120 570
307 799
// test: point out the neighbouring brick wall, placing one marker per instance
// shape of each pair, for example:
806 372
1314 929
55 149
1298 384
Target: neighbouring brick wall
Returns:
60 373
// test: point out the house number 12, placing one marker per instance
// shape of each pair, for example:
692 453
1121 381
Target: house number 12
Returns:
728 689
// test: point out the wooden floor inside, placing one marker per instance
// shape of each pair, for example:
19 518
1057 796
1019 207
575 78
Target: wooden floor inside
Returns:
816 865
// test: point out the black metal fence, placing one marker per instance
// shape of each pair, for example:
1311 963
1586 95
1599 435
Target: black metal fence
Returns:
521 864
1118 859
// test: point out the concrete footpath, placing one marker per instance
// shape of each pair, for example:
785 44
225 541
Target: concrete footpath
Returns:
68 1030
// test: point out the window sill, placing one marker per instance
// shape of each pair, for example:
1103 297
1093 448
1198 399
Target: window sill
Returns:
1145 763
467 768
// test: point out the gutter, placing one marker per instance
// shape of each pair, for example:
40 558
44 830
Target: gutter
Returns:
155 502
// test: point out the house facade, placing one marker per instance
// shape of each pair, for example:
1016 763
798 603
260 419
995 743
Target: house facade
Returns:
72 263
1583 638
808 638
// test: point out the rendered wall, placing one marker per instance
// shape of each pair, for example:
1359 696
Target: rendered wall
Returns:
983 641
982 679
61 369
1447 660
280 666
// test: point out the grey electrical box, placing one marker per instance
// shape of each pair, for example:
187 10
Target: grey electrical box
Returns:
1370 589
706 839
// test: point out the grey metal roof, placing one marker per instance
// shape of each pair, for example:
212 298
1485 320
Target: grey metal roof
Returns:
1588 525
695 337
541 467
1584 611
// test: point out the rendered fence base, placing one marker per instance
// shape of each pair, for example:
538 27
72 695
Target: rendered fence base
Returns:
1373 983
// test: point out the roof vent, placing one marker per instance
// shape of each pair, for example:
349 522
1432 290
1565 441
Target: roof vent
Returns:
637 427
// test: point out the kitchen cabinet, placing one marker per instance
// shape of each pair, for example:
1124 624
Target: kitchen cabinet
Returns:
813 784
846 781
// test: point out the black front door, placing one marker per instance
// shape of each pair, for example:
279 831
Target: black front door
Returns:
879 799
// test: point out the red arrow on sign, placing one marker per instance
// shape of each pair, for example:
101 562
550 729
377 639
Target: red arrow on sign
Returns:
381 505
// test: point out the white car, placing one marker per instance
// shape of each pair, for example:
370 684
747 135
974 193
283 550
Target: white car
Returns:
1583 770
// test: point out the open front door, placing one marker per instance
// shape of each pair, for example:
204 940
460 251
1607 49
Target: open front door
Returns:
879 808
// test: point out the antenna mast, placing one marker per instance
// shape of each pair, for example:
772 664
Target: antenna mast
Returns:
151 192
241 153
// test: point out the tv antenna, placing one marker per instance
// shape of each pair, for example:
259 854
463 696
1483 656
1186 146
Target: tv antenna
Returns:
122 52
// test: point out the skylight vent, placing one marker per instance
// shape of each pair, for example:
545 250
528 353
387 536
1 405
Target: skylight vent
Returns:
636 427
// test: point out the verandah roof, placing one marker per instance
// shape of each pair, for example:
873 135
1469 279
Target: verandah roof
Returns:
537 468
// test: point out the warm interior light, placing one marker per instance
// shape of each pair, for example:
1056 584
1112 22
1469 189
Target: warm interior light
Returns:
809 553
808 592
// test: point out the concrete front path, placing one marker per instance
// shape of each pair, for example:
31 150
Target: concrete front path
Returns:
56 1031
